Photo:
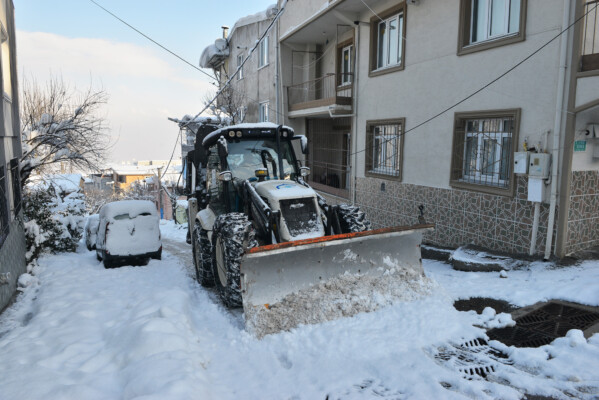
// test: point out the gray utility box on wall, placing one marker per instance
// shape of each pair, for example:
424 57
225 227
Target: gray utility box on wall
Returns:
539 165
521 162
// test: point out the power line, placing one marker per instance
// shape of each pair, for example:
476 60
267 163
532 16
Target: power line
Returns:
493 80
183 59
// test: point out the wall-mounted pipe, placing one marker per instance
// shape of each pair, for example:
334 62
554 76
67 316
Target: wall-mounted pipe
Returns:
557 127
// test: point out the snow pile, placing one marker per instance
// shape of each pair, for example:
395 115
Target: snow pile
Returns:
172 231
489 319
469 259
343 296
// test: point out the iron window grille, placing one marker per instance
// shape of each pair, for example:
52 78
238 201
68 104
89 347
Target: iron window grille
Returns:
384 152
3 206
16 185
483 150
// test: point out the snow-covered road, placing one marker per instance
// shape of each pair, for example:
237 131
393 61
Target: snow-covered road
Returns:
82 332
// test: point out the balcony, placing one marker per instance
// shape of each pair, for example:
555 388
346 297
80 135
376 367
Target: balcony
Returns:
590 37
316 97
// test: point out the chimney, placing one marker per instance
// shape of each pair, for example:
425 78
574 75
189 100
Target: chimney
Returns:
225 31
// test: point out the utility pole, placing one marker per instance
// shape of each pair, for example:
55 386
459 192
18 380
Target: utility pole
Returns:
160 192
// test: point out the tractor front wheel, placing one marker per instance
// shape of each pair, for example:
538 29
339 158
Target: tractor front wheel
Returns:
233 234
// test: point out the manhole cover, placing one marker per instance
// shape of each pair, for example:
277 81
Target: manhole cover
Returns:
543 325
473 358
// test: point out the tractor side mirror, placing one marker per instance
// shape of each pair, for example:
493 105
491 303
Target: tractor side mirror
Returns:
304 171
303 143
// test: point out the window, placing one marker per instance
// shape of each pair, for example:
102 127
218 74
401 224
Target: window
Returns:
387 46
489 23
240 66
483 150
590 37
263 61
346 66
263 112
384 148
16 185
5 57
3 206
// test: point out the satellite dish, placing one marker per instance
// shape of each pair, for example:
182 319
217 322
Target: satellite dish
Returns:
220 44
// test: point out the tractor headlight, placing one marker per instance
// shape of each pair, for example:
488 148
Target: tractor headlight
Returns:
231 133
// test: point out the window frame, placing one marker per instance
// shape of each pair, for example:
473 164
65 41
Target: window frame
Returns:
263 60
345 78
4 207
458 161
16 186
369 169
386 16
465 31
239 66
263 114
5 43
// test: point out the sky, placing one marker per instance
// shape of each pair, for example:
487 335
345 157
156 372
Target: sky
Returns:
78 41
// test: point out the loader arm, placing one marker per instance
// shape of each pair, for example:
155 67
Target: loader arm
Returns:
265 218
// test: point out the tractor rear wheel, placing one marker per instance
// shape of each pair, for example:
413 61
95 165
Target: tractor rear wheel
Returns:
202 256
352 219
233 234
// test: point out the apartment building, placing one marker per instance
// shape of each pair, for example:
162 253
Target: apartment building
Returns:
484 112
12 236
252 92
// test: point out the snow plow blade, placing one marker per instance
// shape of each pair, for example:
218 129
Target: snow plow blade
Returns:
287 284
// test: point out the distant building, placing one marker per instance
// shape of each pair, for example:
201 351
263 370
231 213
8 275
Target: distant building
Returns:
12 236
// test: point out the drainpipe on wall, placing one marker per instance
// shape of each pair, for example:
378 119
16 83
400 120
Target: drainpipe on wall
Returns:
355 124
557 127
278 76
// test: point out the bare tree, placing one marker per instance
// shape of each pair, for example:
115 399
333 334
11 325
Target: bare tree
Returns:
229 104
59 126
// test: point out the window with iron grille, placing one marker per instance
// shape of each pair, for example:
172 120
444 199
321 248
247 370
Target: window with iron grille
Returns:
483 150
16 185
384 148
490 23
3 206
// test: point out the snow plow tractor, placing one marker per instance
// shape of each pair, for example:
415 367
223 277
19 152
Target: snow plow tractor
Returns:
265 238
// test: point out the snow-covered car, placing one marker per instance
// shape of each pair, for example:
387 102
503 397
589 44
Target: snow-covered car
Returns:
91 231
128 231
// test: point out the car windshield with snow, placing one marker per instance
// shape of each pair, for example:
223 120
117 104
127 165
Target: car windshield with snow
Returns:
128 231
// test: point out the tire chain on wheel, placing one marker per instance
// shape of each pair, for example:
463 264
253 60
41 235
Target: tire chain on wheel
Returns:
352 219
237 235
202 256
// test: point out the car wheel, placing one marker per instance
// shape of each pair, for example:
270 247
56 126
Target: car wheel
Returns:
233 234
202 256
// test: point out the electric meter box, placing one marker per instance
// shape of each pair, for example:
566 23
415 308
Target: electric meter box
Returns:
537 191
521 162
539 164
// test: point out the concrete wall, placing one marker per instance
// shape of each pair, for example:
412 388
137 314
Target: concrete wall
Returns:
435 77
258 84
12 249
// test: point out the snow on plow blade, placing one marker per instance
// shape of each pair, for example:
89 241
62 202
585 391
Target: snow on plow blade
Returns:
315 280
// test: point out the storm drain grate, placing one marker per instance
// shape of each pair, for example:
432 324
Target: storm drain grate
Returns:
473 358
543 325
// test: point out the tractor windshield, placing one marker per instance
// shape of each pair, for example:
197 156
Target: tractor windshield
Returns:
246 156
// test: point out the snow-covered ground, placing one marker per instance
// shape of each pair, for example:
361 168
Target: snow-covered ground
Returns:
79 331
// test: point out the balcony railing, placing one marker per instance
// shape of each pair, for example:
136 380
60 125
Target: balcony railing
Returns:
590 37
324 91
